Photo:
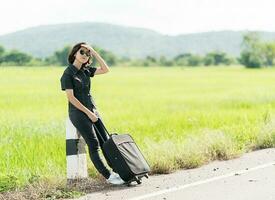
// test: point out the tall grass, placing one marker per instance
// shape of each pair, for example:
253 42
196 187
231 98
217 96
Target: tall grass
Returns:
180 117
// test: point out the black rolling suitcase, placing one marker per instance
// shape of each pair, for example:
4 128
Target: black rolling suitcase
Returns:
123 155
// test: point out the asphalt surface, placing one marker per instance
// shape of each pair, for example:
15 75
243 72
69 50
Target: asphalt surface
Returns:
250 177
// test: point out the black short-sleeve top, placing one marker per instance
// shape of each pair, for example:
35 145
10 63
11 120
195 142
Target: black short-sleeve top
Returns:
79 81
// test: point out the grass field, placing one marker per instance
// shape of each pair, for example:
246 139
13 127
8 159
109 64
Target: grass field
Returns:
180 117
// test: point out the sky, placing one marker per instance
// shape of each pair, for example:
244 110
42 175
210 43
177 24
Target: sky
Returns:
170 17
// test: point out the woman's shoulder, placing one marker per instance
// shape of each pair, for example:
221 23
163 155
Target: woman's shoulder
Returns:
68 71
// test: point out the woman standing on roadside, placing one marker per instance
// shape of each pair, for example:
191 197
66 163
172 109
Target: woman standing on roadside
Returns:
81 106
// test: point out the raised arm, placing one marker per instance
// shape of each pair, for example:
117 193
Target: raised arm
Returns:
103 66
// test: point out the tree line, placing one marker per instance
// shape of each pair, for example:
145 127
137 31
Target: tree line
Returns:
255 53
59 57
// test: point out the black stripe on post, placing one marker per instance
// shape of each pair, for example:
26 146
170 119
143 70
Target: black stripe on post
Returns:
75 146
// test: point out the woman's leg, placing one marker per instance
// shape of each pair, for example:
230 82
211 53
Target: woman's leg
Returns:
85 127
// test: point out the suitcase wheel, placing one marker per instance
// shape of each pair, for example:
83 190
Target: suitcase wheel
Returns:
146 176
138 180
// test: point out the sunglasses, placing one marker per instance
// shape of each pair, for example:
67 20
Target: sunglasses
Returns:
87 53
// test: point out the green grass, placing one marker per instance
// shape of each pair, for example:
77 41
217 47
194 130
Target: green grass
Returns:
180 117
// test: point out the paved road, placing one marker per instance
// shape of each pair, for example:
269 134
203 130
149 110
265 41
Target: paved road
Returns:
250 177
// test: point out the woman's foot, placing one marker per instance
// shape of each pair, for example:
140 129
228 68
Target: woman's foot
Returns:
116 174
115 179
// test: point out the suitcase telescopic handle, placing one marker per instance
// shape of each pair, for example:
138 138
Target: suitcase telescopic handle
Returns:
100 123
99 133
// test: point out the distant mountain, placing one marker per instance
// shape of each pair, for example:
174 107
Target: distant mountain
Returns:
42 41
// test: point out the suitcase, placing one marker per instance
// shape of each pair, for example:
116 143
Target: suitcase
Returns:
123 155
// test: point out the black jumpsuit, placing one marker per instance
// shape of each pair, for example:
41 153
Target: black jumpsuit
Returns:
79 81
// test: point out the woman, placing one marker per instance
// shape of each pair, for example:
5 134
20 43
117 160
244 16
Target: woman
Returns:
81 106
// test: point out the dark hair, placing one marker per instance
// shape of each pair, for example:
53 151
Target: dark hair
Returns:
71 56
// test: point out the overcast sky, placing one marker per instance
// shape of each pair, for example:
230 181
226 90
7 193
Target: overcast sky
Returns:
165 16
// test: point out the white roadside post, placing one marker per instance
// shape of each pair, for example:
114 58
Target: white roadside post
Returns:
75 153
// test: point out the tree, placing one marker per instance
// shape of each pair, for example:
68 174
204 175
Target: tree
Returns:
216 58
182 59
250 59
2 50
208 60
108 56
165 62
251 55
62 55
17 57
194 60
149 61
269 53
59 57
